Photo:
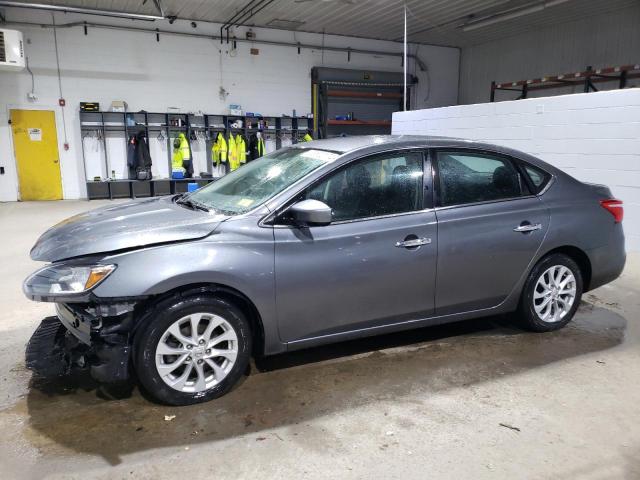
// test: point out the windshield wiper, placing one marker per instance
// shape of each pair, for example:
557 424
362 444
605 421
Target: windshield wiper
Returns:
192 204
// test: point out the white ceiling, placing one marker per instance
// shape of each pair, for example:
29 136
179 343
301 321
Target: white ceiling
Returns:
430 21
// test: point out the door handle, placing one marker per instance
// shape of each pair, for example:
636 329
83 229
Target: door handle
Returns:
524 228
414 242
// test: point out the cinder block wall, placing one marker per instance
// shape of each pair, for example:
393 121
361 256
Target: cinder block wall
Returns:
594 137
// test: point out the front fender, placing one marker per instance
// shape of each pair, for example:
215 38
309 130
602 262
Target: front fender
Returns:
236 259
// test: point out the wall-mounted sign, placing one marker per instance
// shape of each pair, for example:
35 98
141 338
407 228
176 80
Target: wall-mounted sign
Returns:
35 134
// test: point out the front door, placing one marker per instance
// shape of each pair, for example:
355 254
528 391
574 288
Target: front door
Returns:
489 229
374 265
35 144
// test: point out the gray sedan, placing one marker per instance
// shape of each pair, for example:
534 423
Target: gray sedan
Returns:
321 242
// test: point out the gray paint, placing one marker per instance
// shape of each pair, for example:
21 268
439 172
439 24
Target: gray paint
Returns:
120 227
315 285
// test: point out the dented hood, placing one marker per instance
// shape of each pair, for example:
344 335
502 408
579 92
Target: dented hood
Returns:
131 225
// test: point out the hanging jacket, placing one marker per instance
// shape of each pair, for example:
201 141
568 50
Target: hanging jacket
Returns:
177 165
219 150
184 147
241 148
131 157
256 147
142 157
233 152
181 154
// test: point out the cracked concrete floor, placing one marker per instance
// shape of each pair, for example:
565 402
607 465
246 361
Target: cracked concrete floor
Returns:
478 399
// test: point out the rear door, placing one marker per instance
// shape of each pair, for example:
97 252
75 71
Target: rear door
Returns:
490 226
374 265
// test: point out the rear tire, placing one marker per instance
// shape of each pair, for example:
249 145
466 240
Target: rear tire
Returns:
192 349
551 294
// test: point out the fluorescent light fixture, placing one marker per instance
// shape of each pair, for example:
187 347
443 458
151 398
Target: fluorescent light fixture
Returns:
510 15
87 11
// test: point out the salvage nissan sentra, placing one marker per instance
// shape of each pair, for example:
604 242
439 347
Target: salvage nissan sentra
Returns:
320 242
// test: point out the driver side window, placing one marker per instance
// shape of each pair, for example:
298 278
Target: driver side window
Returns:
380 185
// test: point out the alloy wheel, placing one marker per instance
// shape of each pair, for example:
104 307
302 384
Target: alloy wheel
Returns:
196 352
554 294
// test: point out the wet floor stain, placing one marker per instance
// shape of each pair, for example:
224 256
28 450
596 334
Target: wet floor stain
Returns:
74 416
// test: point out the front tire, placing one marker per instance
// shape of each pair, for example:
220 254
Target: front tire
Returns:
192 349
551 294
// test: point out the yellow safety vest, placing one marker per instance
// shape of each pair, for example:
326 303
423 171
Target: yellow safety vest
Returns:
234 161
178 158
176 161
184 147
260 147
307 138
219 150
241 148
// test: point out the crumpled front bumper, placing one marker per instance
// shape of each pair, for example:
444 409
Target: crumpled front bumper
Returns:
83 337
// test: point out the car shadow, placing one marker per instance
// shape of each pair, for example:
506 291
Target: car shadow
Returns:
292 389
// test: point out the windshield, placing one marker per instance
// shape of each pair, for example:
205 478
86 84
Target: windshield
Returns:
259 180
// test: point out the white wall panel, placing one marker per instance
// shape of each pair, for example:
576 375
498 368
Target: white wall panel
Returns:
184 72
605 40
594 137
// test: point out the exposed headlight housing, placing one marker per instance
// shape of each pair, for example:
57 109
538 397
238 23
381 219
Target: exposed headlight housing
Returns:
60 280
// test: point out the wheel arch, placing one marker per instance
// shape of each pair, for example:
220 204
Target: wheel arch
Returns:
580 257
225 292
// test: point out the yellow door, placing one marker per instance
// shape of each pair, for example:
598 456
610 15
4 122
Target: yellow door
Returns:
35 141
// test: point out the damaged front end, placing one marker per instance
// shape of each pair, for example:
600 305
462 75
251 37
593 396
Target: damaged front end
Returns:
84 336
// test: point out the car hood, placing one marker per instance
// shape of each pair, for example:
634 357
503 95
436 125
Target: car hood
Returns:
124 226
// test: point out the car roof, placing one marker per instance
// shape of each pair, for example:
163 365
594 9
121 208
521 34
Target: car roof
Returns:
373 143
348 144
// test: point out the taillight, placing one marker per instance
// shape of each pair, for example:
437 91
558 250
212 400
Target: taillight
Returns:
614 207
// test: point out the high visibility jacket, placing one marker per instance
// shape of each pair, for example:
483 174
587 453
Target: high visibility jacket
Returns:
176 161
241 149
219 150
178 158
256 147
184 147
234 161
307 138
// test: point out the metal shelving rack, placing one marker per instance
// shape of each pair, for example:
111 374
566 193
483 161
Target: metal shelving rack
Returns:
586 79
370 98
119 123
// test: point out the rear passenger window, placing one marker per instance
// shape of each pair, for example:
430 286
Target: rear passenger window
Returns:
538 177
476 177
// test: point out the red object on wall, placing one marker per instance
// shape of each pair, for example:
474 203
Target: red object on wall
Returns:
62 102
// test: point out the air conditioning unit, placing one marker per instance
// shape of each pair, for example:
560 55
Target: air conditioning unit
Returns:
11 51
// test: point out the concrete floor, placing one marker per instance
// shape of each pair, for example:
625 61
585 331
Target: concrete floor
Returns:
421 404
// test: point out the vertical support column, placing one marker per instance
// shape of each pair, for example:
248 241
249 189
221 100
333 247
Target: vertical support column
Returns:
587 80
404 63
104 146
623 79
169 146
492 96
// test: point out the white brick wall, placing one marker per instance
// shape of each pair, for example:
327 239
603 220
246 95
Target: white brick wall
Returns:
594 137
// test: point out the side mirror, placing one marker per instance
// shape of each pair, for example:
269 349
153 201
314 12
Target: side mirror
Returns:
311 212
